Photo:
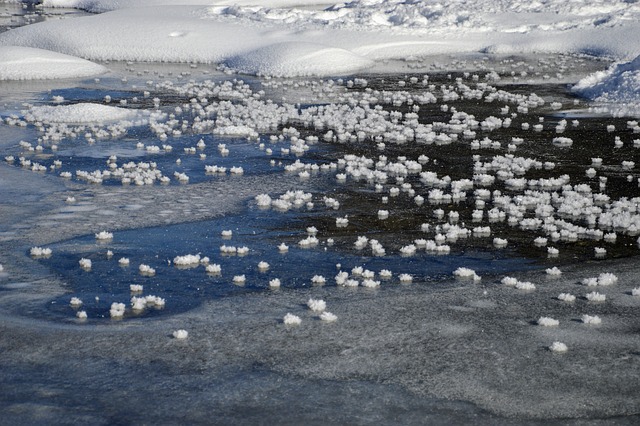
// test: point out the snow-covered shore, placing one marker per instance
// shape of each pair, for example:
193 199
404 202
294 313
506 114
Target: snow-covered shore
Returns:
453 170
297 38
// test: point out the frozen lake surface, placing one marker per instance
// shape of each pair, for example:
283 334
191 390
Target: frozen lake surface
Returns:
431 188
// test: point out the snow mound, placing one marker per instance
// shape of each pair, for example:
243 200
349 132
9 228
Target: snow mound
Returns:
296 59
82 113
283 38
99 6
25 63
620 83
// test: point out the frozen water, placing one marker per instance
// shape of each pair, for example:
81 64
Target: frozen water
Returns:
418 348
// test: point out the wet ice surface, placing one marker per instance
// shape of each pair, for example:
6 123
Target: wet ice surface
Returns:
402 353
187 286
390 351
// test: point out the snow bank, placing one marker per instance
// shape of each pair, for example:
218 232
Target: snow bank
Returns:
620 83
82 113
298 59
99 6
24 63
276 37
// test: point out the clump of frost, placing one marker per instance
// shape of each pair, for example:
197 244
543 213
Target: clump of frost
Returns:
466 273
291 319
328 317
263 200
85 263
548 322
566 297
40 252
635 291
500 242
369 283
146 270
180 334
81 315
187 260
385 274
274 283
540 241
607 278
117 310
138 304
558 347
604 279
592 320
75 302
156 301
316 305
509 281
104 236
405 278
525 286
318 280
136 288
554 271
594 296
123 261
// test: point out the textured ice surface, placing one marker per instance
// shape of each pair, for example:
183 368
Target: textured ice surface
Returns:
393 353
401 344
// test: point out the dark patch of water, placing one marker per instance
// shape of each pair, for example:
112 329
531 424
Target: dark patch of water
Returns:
260 230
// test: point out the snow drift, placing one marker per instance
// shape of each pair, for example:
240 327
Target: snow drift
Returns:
620 83
24 63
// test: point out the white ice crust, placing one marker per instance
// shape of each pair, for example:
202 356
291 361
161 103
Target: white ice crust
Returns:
83 113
